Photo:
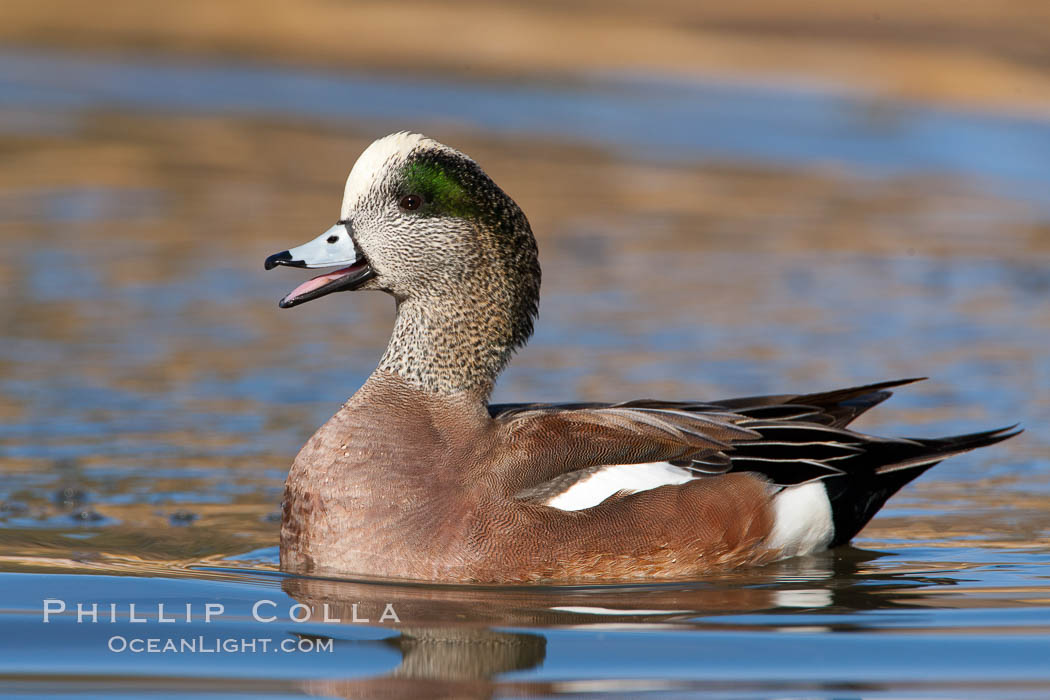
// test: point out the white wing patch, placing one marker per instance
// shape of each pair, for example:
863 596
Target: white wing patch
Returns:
589 610
807 598
801 520
619 477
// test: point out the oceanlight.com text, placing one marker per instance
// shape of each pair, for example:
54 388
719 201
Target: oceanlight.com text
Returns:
203 644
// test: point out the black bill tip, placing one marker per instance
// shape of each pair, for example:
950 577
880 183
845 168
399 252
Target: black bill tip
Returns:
282 258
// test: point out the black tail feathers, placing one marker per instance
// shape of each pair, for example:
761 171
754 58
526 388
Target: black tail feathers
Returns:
857 495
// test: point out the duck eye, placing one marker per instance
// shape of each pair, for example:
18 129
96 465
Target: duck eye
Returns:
411 202
333 239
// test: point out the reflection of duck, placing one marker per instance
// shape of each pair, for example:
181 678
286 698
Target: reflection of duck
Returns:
416 477
449 649
446 651
444 663
816 581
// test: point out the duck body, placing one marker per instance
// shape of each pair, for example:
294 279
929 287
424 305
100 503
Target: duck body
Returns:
454 504
418 477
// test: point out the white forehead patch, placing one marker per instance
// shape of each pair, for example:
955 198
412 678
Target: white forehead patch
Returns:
384 154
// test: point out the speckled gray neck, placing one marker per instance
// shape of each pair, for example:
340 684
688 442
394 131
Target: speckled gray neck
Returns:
460 342
424 354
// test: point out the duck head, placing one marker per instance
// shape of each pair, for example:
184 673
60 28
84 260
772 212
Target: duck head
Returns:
424 223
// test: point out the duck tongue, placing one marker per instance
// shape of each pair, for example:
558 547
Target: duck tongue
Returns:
315 287
319 281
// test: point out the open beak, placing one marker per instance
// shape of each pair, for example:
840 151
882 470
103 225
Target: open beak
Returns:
335 247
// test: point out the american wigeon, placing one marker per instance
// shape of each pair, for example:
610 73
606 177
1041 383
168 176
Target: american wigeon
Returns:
418 477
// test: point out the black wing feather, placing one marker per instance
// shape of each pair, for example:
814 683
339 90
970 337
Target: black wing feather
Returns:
800 438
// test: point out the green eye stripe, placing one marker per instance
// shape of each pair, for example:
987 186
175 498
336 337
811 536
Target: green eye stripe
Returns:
441 190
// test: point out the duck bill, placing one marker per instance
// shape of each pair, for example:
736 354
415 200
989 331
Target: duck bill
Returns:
333 248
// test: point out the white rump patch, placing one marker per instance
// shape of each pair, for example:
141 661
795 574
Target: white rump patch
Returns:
802 520
619 477
384 153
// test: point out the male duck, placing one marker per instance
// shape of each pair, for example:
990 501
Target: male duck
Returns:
417 477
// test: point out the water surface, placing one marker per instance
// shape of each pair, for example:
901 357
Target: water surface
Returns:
698 241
